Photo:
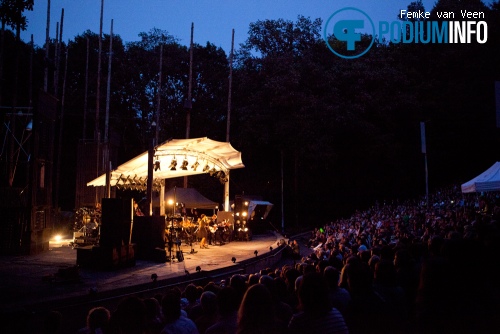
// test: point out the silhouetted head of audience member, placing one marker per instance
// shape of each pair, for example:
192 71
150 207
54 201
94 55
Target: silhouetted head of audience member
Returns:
171 305
385 274
208 302
227 301
130 316
98 317
332 277
312 294
256 312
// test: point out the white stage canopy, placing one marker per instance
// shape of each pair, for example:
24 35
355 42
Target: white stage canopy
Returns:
175 158
489 180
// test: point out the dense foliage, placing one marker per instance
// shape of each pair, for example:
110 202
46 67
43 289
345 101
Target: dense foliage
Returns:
347 132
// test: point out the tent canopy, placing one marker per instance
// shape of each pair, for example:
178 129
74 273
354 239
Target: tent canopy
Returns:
175 158
191 198
267 206
489 180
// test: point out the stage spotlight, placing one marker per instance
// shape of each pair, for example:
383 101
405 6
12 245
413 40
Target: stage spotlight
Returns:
157 165
173 164
195 165
233 259
256 252
271 248
206 168
213 171
184 165
154 277
198 269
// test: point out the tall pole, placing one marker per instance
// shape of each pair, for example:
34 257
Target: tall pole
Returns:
85 96
151 152
188 104
424 151
47 40
56 61
61 128
228 124
107 166
282 197
59 30
158 102
97 136
98 90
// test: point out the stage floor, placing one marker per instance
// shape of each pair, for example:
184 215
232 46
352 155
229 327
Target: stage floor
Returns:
28 280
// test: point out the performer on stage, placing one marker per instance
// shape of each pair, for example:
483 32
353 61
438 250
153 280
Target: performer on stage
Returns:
137 209
203 231
212 229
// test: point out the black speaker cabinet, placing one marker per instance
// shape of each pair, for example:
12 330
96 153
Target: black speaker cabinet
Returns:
116 222
148 233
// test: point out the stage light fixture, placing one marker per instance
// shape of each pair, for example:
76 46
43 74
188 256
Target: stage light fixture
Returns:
173 164
154 277
256 252
157 165
271 248
198 269
223 178
184 165
206 168
233 259
213 171
195 165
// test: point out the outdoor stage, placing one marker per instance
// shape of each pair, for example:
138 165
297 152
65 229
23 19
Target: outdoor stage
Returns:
52 276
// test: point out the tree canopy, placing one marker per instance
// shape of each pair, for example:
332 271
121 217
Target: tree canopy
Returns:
347 131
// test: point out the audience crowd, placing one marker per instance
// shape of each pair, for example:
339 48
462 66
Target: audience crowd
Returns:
425 266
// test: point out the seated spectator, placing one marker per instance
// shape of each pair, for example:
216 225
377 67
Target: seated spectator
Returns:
129 317
192 295
97 320
154 318
317 315
208 317
339 297
295 250
227 305
174 322
256 313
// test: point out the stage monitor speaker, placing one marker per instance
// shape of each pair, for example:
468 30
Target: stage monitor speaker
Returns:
116 222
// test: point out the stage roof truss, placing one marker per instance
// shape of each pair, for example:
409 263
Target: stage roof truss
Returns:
176 158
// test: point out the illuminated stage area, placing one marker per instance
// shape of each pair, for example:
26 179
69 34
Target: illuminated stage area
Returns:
53 276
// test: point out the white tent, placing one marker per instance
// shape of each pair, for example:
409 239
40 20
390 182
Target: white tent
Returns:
190 197
489 180
266 206
175 158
